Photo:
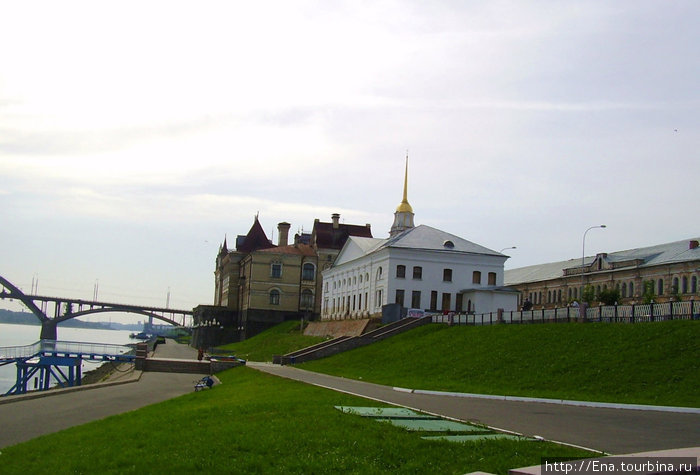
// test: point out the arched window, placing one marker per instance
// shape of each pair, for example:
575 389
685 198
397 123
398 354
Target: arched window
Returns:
308 271
307 299
360 278
694 285
624 290
675 285
660 289
685 284
274 297
631 289
379 274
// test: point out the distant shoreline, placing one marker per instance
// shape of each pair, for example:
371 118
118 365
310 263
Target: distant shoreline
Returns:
26 318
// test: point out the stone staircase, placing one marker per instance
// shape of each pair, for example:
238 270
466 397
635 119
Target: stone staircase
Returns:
345 343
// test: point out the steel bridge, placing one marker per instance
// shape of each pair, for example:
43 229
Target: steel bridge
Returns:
67 308
60 360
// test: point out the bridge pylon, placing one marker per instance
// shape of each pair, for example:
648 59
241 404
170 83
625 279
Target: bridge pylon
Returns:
49 330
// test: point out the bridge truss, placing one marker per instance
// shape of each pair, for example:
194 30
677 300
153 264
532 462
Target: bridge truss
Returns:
67 308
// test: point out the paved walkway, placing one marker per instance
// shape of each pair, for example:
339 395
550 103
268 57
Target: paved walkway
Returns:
614 431
25 417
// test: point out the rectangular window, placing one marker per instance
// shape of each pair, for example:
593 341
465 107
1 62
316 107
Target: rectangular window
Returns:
399 296
433 300
276 270
446 302
418 273
492 278
458 302
476 277
308 271
378 299
447 275
400 272
415 299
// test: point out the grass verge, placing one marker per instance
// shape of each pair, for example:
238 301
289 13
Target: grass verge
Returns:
278 340
257 423
649 363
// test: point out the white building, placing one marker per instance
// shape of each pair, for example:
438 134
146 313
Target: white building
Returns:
417 267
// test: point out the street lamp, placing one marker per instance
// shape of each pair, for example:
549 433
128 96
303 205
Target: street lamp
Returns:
583 255
506 248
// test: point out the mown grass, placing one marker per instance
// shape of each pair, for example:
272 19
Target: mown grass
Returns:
278 340
650 363
257 423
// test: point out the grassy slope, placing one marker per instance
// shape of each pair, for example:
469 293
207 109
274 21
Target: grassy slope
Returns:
279 340
655 363
257 423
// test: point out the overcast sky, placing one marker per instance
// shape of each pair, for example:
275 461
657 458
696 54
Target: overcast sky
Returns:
135 135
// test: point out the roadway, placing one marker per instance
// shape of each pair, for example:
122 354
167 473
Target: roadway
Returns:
613 431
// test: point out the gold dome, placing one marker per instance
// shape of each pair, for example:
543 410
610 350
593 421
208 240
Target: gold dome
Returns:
404 207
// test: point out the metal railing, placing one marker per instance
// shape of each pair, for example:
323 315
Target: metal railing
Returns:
686 310
73 348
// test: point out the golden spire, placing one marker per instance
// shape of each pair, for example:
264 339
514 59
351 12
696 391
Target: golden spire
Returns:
404 207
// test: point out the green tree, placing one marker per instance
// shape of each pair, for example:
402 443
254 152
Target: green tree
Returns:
609 296
648 293
588 294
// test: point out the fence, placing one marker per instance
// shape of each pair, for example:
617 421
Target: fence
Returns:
688 310
68 347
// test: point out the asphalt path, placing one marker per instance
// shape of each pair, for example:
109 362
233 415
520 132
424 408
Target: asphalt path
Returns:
26 418
613 431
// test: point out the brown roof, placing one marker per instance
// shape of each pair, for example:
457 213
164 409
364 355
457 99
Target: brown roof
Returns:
300 249
327 237
255 239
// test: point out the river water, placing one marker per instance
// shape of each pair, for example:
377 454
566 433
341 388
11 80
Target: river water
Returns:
18 335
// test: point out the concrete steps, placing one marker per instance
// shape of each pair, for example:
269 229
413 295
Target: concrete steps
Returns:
345 343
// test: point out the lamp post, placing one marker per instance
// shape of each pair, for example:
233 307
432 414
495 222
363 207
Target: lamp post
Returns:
583 256
506 248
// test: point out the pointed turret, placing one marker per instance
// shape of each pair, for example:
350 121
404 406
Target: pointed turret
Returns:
403 217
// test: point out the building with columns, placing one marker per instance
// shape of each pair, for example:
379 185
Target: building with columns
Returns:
416 267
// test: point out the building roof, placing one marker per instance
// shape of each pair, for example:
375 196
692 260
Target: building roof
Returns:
298 249
428 238
669 253
329 237
254 240
421 237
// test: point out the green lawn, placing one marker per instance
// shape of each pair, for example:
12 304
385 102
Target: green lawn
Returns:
278 340
257 423
649 363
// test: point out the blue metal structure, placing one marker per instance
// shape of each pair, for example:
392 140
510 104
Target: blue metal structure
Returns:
60 360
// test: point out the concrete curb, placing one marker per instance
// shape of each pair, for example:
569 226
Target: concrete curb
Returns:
610 405
52 392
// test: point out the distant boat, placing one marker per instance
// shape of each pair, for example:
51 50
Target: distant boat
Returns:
140 336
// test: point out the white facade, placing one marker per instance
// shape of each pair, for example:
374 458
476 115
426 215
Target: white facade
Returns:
421 267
